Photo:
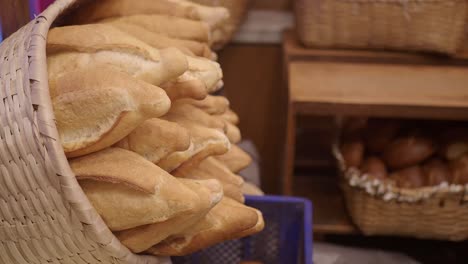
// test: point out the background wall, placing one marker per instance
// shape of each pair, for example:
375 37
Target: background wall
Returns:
253 76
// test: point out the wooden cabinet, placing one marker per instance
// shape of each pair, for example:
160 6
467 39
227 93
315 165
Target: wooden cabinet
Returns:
338 83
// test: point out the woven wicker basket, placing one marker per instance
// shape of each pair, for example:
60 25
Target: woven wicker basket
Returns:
410 25
237 9
44 215
377 208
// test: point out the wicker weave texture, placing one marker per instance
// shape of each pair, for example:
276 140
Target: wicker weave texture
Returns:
413 25
443 216
44 215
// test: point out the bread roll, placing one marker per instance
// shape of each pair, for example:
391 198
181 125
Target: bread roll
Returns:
170 26
436 172
227 220
97 107
229 116
190 88
111 189
213 105
206 142
408 151
454 150
236 159
160 41
97 10
459 169
380 133
412 177
143 237
210 168
375 167
156 138
353 153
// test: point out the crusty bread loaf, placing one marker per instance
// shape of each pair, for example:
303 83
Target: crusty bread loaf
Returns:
99 106
156 138
170 26
79 47
229 116
235 159
98 10
97 37
213 105
207 142
120 205
160 41
211 168
233 133
250 189
201 78
182 111
227 220
189 88
143 237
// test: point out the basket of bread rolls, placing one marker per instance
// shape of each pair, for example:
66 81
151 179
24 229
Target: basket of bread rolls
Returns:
112 148
405 178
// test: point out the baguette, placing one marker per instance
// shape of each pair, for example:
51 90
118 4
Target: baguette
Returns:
181 111
160 41
78 47
170 26
143 237
97 10
229 116
213 105
236 159
156 138
211 168
206 142
97 107
120 204
227 220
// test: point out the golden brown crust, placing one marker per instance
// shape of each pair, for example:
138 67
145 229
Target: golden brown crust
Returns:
228 220
236 159
156 138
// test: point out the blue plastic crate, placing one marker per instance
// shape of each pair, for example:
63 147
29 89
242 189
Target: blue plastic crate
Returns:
286 239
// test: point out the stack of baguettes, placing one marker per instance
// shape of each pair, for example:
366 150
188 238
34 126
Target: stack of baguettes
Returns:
153 151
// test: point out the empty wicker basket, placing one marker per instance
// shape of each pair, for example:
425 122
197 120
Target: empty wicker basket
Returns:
413 25
44 215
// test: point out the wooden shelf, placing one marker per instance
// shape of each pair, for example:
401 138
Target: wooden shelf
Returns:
383 90
330 216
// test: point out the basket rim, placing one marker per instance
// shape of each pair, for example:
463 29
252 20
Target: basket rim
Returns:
387 191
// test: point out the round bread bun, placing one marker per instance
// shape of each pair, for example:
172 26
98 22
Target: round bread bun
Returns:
375 167
353 153
407 151
379 134
459 169
411 177
436 172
